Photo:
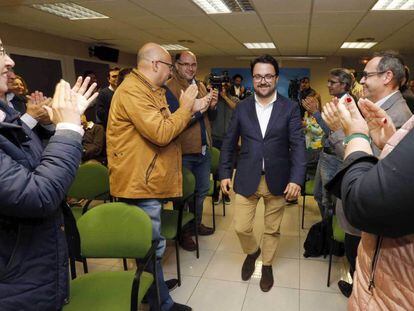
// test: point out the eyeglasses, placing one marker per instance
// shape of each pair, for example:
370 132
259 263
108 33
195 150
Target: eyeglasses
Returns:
2 50
333 82
267 78
188 65
170 66
366 74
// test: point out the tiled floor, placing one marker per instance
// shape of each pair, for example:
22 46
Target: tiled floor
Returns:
213 281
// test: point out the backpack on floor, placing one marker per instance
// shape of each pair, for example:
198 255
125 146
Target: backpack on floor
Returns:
317 242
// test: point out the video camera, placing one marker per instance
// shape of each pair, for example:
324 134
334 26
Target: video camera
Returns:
216 80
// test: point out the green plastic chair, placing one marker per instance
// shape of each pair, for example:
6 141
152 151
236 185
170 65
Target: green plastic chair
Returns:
91 183
338 235
308 191
173 220
114 230
212 192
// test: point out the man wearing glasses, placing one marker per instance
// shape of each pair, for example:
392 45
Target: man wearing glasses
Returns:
381 80
271 164
195 140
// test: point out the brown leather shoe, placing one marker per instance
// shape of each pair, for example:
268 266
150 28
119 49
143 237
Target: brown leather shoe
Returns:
203 230
248 265
187 242
266 282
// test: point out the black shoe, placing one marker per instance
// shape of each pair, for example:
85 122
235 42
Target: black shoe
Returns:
179 307
171 284
266 282
345 288
249 265
187 242
204 230
227 200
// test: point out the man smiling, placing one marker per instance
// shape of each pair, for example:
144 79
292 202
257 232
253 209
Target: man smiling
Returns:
271 164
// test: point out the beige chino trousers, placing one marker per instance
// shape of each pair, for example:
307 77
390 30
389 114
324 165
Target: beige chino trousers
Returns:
245 212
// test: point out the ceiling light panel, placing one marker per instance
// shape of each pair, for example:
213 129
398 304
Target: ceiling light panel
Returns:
69 10
260 45
394 5
213 6
358 45
174 47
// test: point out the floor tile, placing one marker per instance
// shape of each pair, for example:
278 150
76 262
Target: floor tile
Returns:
190 265
218 295
225 266
320 301
182 293
277 299
211 242
314 273
288 247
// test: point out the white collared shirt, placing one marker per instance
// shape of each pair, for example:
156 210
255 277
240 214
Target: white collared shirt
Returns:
263 115
383 100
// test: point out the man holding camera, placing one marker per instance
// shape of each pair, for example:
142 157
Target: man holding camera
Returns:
271 164
195 139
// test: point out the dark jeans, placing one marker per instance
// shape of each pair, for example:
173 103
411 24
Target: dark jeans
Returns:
327 167
199 165
351 251
153 208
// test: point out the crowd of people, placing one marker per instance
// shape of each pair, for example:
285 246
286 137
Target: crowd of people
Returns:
155 119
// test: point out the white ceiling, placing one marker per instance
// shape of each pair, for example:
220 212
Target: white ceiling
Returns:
297 27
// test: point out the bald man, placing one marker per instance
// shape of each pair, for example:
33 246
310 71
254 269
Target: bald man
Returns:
144 156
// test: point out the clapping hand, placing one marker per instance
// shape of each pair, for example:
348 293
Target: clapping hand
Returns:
82 94
330 115
34 107
380 125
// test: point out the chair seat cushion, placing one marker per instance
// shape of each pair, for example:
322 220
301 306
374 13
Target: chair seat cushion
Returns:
106 291
211 189
169 222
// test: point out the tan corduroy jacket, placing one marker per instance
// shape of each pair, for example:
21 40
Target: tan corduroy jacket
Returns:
144 156
191 138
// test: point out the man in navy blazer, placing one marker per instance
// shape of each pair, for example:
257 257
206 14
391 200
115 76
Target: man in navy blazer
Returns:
271 164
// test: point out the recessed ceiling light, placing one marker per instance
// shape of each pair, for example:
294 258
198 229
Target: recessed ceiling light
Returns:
260 45
174 47
69 10
394 5
213 6
358 45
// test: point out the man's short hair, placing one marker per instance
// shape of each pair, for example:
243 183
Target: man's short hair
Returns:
267 59
391 60
344 76
237 76
112 69
304 78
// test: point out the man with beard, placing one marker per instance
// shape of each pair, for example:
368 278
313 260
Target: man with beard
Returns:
271 164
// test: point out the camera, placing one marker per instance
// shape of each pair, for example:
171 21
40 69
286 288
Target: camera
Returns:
216 80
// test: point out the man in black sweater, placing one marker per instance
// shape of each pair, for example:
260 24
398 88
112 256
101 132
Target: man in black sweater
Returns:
103 101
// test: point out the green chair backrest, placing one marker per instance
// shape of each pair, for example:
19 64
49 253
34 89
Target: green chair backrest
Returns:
215 158
115 230
91 182
188 183
337 232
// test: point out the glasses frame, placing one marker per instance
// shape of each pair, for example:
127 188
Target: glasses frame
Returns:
331 82
267 78
188 65
170 66
366 74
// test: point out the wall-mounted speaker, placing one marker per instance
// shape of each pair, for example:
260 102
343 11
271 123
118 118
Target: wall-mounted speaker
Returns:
104 53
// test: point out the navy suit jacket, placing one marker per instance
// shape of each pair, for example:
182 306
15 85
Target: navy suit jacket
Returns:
282 148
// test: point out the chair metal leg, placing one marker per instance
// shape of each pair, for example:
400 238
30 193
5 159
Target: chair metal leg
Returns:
72 263
214 214
303 210
330 263
124 261
177 255
157 286
224 204
85 265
